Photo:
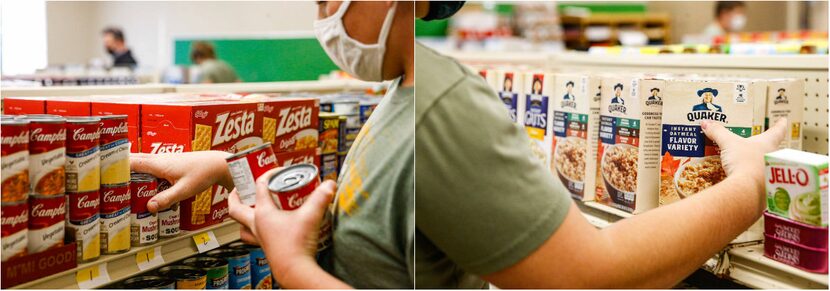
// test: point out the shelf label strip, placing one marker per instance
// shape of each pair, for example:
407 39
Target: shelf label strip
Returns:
149 258
206 241
92 277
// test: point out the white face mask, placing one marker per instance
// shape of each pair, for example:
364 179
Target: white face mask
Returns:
363 61
738 22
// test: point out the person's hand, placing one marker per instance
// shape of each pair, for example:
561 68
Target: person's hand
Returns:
289 238
189 173
745 156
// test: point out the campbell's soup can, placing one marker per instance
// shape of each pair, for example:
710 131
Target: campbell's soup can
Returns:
46 222
15 234
15 160
239 266
260 270
83 226
290 187
246 166
186 277
168 218
115 150
83 173
115 218
47 153
144 225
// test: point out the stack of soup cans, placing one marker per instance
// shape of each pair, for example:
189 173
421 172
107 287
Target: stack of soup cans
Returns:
115 184
16 186
83 185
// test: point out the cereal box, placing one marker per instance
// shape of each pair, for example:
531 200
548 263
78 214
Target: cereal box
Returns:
536 113
508 86
690 162
796 186
575 125
628 153
785 98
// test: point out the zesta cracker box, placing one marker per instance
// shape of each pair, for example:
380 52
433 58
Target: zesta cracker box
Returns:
628 153
537 113
796 186
785 98
575 125
290 123
690 161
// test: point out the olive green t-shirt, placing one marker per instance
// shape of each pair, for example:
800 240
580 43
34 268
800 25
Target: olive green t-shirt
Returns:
216 71
374 222
483 202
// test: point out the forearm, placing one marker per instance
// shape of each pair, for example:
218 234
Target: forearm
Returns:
662 246
308 275
225 179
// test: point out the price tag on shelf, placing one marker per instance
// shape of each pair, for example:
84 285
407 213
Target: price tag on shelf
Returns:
206 241
92 277
149 258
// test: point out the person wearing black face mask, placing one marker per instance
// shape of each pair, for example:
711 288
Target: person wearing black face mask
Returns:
115 46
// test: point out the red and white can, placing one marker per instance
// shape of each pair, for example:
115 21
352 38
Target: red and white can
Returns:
290 187
246 166
115 150
144 228
83 172
83 226
14 160
46 222
168 218
14 229
115 218
47 153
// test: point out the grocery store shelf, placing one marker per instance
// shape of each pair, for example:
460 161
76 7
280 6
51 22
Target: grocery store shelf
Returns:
712 61
749 267
86 90
268 87
123 266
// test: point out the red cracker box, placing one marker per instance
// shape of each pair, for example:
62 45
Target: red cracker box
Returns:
69 106
24 105
289 123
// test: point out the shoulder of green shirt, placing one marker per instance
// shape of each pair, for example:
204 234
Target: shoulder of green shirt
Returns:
437 75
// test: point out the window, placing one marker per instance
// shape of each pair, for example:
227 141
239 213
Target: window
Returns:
22 36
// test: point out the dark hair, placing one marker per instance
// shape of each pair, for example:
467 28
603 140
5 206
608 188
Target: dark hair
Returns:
655 89
618 85
202 50
782 89
569 83
726 6
116 33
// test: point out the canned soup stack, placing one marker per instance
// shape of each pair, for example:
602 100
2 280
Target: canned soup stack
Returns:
115 185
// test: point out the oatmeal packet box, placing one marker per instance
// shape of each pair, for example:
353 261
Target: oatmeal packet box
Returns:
785 98
536 112
628 152
508 85
689 161
575 124
796 186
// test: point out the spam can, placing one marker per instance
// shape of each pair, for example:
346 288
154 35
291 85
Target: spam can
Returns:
260 270
15 160
246 166
329 132
83 226
239 266
216 268
82 156
15 235
150 282
46 222
144 228
115 218
47 153
186 277
115 149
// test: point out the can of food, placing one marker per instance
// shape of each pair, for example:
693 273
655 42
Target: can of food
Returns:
291 186
347 106
341 160
341 134
328 169
15 226
115 218
115 150
216 268
46 222
15 160
82 224
367 106
144 227
260 270
239 266
169 221
47 153
328 132
246 166
150 282
82 156
186 277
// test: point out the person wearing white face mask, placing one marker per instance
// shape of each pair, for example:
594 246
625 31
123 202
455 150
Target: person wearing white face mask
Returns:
373 211
730 16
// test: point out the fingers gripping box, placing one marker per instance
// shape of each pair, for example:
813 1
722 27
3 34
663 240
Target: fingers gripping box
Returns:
690 161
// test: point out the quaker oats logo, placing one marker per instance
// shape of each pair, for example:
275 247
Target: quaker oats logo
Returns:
617 103
707 109
569 100
781 98
654 98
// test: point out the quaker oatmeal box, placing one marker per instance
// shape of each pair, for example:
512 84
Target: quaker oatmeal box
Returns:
537 112
796 186
690 162
508 85
785 98
628 152
575 124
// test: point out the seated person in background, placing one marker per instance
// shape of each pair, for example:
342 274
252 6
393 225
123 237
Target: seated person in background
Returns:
211 70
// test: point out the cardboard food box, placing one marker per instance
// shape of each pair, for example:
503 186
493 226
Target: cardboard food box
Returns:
690 161
575 128
290 123
537 112
509 85
24 105
69 106
796 186
785 98
628 152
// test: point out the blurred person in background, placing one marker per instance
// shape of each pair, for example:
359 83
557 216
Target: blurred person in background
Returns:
211 70
116 47
730 16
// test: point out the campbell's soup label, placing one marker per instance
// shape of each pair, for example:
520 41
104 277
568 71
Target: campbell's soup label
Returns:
47 157
83 226
169 221
15 222
82 156
46 222
15 160
115 218
115 150
143 223
247 166
796 186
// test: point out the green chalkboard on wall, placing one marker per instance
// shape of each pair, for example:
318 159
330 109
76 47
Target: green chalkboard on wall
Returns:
266 60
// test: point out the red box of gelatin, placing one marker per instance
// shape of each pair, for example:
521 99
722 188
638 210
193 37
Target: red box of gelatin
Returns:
69 106
795 232
24 105
806 258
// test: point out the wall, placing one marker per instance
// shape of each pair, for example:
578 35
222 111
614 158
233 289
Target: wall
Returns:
691 17
72 32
